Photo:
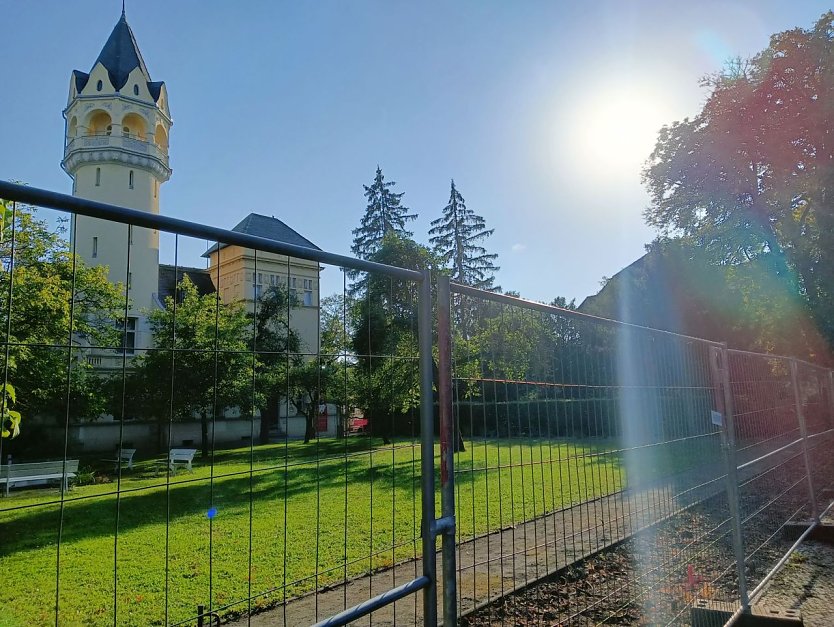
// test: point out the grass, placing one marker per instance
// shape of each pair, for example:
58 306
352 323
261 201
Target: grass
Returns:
289 518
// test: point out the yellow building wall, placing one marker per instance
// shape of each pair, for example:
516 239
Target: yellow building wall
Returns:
240 269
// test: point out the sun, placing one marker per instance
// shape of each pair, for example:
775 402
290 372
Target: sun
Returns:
615 130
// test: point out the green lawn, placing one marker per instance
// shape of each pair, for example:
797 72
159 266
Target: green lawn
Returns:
298 508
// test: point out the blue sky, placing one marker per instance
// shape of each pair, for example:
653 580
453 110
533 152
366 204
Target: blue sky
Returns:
540 111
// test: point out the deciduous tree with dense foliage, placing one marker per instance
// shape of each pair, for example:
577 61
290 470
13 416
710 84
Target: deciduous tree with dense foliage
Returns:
202 364
50 301
277 348
384 323
750 179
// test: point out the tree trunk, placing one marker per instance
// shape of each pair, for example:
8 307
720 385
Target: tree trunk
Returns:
204 434
269 415
310 424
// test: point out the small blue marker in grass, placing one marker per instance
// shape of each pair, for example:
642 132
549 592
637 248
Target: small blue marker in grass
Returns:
211 513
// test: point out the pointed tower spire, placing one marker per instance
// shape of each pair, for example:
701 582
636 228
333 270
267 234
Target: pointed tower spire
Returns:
120 54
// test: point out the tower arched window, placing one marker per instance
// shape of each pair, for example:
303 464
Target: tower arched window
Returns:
98 177
130 180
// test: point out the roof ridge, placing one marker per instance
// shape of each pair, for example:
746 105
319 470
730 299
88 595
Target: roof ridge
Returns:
121 54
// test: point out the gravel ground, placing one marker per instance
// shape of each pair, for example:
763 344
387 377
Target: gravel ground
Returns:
653 578
806 583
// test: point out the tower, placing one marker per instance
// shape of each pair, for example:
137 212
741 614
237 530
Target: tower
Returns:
116 151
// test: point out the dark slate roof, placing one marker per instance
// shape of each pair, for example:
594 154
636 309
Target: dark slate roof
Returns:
155 88
200 277
270 228
121 55
81 79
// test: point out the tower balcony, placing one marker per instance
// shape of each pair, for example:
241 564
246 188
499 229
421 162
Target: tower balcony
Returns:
106 147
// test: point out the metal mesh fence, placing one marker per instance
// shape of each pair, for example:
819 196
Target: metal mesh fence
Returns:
201 444
782 428
608 473
208 442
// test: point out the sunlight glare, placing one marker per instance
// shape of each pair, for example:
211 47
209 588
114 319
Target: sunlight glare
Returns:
615 130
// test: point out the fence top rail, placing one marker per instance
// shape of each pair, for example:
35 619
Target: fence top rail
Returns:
515 301
81 206
739 351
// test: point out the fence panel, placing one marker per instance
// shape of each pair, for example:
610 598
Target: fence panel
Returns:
588 457
234 441
214 442
817 398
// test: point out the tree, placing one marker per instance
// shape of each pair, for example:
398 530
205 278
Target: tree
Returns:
386 373
52 306
202 364
277 346
750 178
456 236
384 215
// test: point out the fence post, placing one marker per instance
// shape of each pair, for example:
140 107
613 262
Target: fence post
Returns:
803 432
830 399
447 449
721 375
424 328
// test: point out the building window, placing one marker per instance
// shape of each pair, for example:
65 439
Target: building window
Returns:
98 177
136 90
258 291
130 180
260 278
308 292
99 85
95 247
128 330
272 280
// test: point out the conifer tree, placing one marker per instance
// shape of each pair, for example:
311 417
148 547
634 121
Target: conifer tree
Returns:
383 215
456 238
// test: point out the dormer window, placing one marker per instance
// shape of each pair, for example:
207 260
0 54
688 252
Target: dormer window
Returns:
136 90
99 85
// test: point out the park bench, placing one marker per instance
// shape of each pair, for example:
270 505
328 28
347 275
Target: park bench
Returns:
123 456
37 472
181 456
